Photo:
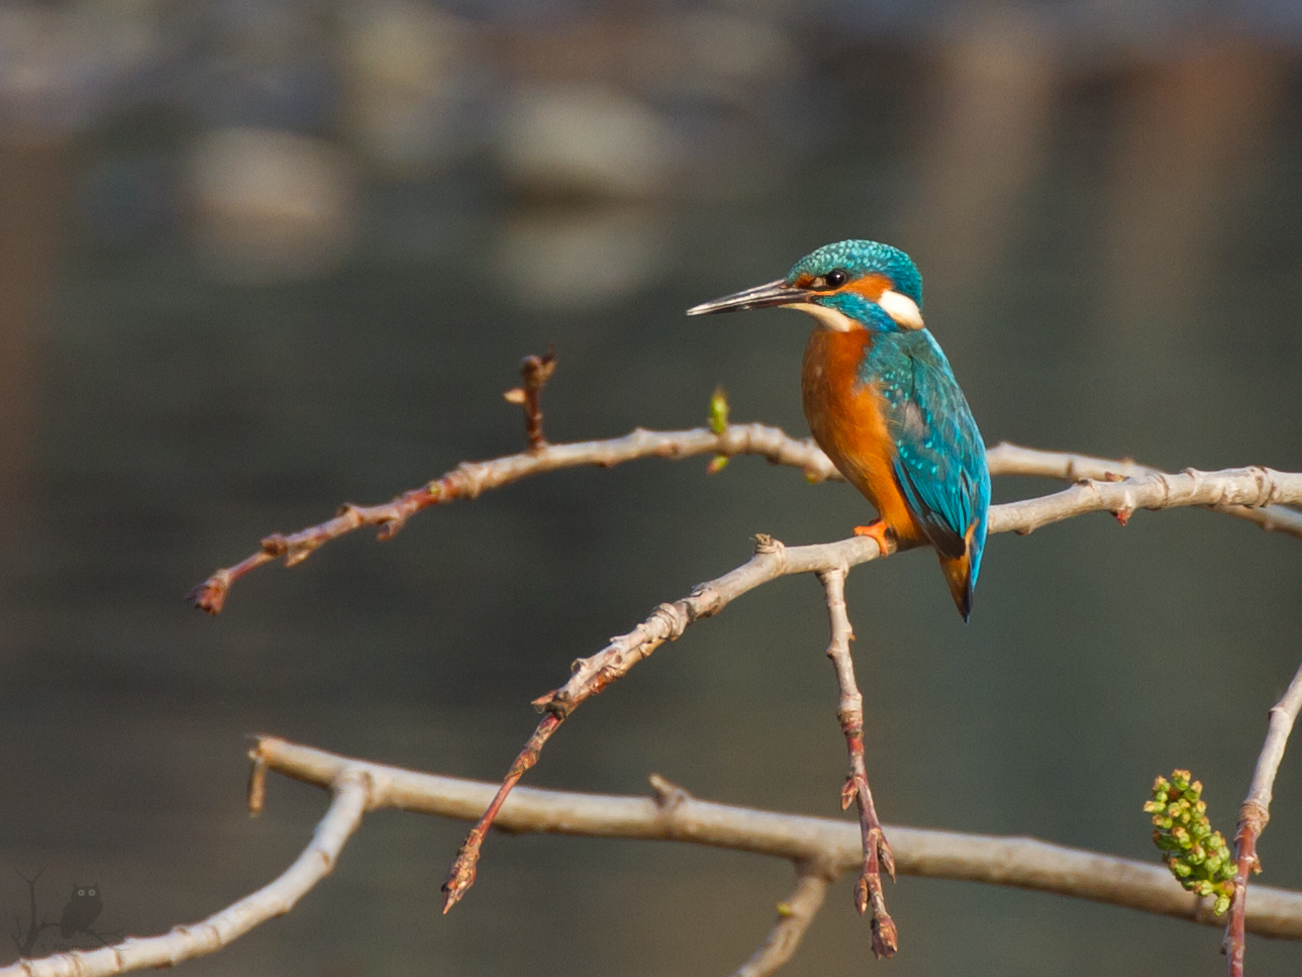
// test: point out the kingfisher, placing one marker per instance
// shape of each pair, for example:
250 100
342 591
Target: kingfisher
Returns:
882 402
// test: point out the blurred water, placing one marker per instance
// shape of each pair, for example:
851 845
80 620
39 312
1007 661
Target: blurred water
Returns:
1113 259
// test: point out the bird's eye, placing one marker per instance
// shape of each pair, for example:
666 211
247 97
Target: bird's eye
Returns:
837 277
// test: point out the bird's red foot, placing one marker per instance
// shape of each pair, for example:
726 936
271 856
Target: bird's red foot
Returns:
881 534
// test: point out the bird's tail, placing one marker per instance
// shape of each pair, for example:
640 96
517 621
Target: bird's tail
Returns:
961 571
958 574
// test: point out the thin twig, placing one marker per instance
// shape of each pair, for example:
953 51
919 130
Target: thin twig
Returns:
466 865
666 623
536 371
1255 813
210 935
469 479
794 918
876 851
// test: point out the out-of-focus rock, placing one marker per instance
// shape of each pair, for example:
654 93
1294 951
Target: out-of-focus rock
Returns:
270 206
63 66
573 260
585 140
411 86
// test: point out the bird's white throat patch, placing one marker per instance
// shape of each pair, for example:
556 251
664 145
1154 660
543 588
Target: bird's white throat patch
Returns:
898 306
827 318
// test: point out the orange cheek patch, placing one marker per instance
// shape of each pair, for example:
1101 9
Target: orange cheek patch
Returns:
870 287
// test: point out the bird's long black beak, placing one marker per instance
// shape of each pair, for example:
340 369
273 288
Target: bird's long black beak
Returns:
760 297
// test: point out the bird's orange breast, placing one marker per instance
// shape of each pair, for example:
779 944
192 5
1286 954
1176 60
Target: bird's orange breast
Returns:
845 416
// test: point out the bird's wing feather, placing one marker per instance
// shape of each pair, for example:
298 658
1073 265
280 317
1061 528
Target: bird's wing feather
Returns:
940 458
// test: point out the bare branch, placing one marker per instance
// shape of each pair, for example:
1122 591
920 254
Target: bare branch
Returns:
876 851
469 479
1234 487
210 935
1255 813
794 917
1019 862
822 849
1011 459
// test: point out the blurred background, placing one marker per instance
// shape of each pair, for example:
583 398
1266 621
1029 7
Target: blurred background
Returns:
260 257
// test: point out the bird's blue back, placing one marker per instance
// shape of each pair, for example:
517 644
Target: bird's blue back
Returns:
941 459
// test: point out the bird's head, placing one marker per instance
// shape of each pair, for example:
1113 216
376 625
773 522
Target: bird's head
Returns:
845 286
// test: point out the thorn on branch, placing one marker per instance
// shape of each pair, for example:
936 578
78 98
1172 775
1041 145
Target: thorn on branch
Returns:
536 371
668 794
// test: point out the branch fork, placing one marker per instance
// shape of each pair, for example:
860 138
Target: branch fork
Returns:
1255 812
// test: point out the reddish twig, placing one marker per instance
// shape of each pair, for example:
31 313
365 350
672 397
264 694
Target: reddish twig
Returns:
462 874
876 852
211 595
536 371
471 478
1255 813
666 623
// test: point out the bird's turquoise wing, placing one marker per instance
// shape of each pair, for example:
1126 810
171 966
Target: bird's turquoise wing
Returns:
941 459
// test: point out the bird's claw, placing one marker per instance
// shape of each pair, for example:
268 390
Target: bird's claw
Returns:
881 534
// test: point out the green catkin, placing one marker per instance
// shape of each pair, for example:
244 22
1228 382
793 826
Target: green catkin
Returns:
1196 855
